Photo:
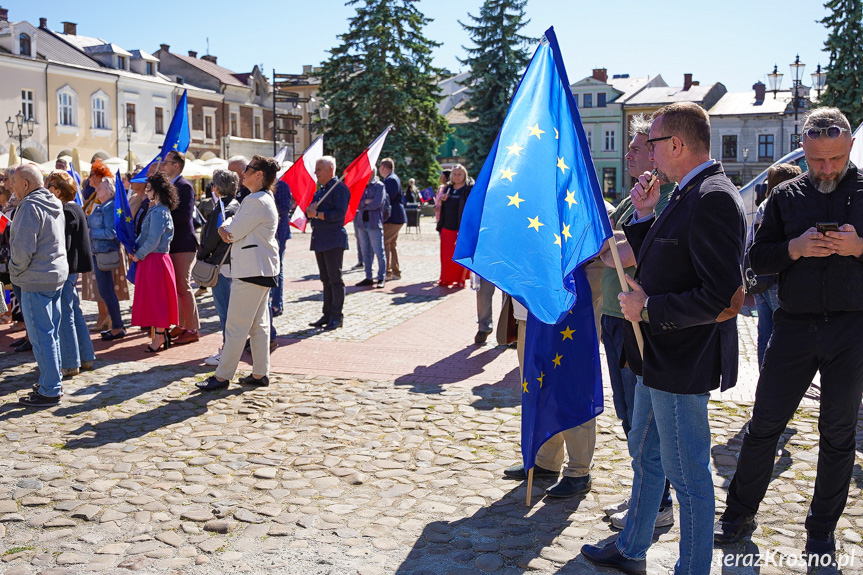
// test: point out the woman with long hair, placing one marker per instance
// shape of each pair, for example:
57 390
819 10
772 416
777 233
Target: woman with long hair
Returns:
155 304
76 348
104 240
452 202
254 271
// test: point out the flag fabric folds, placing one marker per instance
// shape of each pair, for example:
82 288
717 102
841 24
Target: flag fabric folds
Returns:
177 137
356 176
562 377
77 177
536 211
301 180
123 223
4 223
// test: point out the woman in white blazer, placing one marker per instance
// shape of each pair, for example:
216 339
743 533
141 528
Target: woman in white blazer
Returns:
254 270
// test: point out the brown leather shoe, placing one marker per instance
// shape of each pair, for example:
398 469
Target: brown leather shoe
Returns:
177 332
188 336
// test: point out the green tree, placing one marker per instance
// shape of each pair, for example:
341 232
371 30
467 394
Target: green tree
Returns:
496 62
845 72
382 74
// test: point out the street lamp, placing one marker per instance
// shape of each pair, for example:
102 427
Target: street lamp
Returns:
797 70
25 128
819 79
227 145
774 80
129 128
745 158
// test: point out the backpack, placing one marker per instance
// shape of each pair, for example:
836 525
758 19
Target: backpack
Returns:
388 206
755 284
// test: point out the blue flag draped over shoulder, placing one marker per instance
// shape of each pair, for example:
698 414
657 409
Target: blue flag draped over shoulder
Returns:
562 377
536 211
77 177
123 223
177 138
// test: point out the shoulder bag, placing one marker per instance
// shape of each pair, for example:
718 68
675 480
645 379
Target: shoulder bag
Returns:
107 261
207 275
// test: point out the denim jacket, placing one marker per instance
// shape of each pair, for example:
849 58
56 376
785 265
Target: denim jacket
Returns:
156 232
102 232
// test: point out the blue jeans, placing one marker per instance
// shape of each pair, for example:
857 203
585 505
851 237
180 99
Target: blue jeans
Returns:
622 378
105 283
42 317
360 259
670 437
766 303
371 242
276 293
75 343
221 297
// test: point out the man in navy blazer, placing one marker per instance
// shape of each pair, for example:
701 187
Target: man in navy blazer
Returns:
398 217
184 246
687 291
329 239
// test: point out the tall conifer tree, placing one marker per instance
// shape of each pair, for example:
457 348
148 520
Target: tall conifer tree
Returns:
382 74
845 71
496 62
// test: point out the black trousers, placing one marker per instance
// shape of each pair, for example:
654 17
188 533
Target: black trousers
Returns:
330 268
801 345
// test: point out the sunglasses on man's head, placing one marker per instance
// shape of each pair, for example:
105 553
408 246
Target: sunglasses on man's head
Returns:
831 132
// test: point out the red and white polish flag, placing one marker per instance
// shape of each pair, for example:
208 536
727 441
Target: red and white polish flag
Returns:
356 175
4 223
301 180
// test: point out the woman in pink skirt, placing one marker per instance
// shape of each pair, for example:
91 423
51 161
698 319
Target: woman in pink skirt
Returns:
155 303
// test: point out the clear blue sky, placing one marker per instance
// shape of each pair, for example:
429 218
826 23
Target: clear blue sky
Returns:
735 42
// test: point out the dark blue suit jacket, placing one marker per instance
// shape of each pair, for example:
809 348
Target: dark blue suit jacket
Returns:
393 185
329 233
184 239
689 264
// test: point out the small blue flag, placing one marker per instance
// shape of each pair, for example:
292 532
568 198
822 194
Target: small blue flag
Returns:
536 212
427 194
220 211
177 137
77 177
562 381
123 223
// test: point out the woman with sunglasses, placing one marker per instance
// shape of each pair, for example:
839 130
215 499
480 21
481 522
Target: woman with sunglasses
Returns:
452 202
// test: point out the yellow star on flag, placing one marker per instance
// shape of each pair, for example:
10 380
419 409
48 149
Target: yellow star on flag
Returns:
535 131
128 219
567 333
514 200
514 149
556 240
560 164
556 360
534 223
524 386
556 134
565 233
570 199
540 378
119 211
507 174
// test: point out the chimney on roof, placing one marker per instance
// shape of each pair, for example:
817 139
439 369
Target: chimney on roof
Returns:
600 74
70 28
760 91
193 54
4 15
307 69
209 58
164 47
696 82
43 23
687 82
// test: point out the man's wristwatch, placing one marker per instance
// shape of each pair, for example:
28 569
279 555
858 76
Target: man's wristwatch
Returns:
644 317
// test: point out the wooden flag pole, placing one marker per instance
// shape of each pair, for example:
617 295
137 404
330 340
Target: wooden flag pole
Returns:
612 245
529 484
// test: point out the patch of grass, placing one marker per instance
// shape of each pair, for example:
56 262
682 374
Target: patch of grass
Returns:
59 445
15 550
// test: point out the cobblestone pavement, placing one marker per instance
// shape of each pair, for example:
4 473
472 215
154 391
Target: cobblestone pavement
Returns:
137 471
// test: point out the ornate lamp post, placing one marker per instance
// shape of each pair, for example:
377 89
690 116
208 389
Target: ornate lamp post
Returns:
774 80
129 129
24 127
227 145
819 80
797 70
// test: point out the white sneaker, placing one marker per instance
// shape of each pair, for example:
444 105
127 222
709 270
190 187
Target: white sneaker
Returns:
214 359
617 507
665 518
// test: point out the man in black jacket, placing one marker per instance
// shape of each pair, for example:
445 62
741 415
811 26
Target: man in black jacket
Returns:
816 329
688 292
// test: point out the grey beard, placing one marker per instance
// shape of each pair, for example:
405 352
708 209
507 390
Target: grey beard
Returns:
829 186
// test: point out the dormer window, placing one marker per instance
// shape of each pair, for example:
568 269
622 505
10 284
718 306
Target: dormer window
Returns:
151 71
600 100
121 62
24 44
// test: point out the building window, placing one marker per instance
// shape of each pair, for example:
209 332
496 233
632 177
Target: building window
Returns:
600 100
765 148
729 148
609 180
27 105
588 100
257 127
130 117
208 127
24 45
100 119
66 109
122 62
150 70
234 131
589 133
160 120
610 143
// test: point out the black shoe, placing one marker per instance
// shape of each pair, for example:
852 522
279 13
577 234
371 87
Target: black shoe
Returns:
36 399
321 322
358 267
731 527
252 380
609 556
518 472
380 283
569 487
333 324
211 384
821 544
480 337
36 387
108 336
18 342
26 346
366 283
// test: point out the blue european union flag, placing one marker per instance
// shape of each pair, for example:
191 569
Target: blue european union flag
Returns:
562 377
220 211
536 211
77 177
177 137
123 222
